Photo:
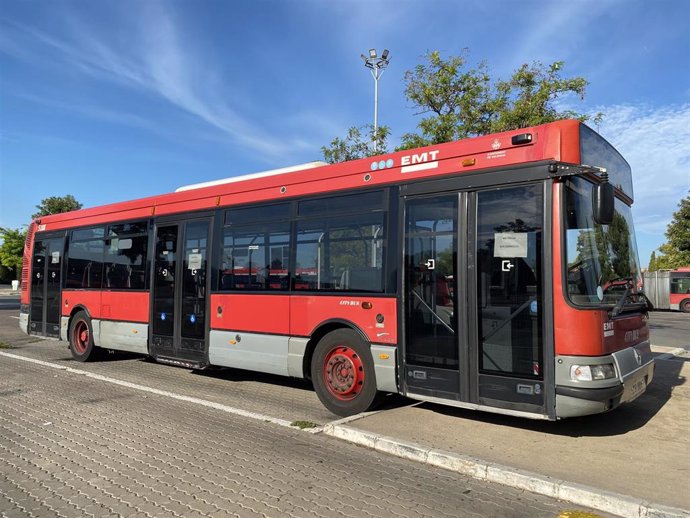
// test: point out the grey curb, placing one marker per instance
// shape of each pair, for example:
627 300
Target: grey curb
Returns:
619 505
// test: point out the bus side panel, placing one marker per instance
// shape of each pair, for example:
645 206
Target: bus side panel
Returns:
308 312
87 299
675 300
268 314
250 332
128 306
90 300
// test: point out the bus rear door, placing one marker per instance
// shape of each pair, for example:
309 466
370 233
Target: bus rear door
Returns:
46 274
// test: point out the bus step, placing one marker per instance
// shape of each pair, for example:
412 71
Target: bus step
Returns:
187 364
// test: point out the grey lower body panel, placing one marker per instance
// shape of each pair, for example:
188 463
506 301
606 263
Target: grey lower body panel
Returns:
24 322
122 336
385 367
64 328
250 351
118 336
284 355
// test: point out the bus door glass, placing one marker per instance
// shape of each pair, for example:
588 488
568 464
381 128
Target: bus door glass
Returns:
45 286
431 357
509 371
179 291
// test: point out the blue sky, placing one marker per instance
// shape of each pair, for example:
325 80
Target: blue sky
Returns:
110 101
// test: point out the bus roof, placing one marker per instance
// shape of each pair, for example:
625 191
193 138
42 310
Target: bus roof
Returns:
553 141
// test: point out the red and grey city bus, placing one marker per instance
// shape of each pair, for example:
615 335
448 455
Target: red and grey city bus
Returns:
669 289
497 273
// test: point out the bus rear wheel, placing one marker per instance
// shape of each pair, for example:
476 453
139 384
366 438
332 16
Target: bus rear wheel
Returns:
342 371
81 338
685 306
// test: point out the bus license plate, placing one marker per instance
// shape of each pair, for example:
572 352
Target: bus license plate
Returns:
637 389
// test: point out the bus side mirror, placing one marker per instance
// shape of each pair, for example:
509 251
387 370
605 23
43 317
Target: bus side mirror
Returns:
602 202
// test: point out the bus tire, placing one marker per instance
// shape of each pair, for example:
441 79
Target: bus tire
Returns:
685 306
81 338
342 371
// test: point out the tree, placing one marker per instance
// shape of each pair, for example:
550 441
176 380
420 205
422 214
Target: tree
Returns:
676 250
465 102
652 262
360 143
12 249
56 205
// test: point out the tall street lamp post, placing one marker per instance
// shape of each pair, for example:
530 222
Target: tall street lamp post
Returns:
376 64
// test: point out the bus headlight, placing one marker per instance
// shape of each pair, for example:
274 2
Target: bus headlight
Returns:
592 372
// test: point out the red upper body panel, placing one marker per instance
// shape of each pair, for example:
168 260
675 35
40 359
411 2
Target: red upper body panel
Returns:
555 141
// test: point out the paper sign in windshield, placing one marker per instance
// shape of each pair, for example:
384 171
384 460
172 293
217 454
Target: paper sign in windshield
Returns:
510 244
194 261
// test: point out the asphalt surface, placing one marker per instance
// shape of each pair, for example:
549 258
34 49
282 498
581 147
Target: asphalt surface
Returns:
128 437
670 329
9 302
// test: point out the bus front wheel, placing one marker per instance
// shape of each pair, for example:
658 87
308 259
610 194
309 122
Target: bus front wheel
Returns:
685 306
81 338
342 371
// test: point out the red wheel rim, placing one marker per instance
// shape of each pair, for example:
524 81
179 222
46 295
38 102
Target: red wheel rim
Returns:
80 336
343 373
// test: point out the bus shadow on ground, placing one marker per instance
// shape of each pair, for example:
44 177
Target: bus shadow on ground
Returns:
239 375
625 418
389 402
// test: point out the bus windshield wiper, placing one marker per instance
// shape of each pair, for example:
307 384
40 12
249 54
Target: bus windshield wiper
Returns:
628 291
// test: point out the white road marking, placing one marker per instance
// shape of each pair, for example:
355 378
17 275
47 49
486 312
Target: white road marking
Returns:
164 393
14 317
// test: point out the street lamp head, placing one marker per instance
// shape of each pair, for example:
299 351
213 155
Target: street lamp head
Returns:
372 53
384 56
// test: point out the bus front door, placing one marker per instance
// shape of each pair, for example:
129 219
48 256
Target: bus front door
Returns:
472 303
44 311
179 296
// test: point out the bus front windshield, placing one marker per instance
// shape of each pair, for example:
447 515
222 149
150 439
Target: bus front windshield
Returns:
603 266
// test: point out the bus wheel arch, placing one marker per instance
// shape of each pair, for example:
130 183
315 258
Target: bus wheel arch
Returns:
318 333
342 372
80 336
684 305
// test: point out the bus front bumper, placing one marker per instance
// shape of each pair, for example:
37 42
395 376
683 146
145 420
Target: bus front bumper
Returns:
635 368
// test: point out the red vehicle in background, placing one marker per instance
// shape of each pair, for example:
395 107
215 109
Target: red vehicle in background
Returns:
497 273
669 289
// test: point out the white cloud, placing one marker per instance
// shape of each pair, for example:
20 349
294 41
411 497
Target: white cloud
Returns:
155 59
656 143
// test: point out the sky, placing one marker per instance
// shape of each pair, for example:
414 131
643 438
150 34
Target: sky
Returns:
110 101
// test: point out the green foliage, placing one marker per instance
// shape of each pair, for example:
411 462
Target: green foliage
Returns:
6 275
676 250
360 142
12 249
465 102
610 247
652 262
303 425
56 205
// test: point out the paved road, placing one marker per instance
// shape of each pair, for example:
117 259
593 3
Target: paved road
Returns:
670 329
9 302
90 440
